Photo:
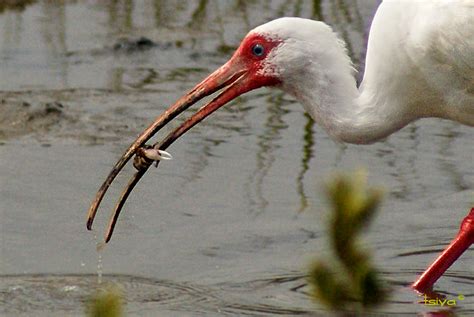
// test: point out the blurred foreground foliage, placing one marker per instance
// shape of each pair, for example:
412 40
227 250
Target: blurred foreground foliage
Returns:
106 303
349 281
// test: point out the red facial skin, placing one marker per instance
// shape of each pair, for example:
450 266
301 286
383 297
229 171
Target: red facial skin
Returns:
253 63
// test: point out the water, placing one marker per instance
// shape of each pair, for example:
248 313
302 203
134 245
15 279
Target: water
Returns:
76 89
100 265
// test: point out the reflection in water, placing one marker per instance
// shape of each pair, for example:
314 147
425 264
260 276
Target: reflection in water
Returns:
18 5
111 20
348 20
120 16
265 156
54 36
116 79
148 18
199 15
446 163
308 141
11 34
410 157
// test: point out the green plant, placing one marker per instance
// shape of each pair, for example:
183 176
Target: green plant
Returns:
106 303
349 280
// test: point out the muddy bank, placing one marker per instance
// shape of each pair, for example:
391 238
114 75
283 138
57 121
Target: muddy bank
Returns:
82 116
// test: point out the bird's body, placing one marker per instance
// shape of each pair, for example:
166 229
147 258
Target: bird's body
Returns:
420 63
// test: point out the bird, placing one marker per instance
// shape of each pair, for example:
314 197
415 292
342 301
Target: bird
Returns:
419 64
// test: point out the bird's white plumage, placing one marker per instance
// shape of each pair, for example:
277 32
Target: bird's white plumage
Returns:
420 63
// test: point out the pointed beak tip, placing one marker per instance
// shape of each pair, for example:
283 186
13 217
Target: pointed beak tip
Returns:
89 224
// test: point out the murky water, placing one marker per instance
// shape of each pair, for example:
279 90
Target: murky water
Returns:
218 230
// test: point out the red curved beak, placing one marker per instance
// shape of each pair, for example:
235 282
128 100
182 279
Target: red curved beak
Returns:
234 76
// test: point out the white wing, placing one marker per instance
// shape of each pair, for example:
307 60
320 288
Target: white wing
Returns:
430 44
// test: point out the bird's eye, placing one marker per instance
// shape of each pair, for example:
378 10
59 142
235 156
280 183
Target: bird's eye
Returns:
258 50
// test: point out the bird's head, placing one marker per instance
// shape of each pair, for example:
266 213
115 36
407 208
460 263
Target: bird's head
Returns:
293 54
277 53
273 54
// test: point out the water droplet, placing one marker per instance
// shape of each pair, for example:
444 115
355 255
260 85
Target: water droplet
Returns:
99 247
99 267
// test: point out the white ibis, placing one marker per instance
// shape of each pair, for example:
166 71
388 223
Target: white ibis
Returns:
420 63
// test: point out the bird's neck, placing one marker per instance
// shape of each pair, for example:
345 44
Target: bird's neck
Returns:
371 118
330 95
